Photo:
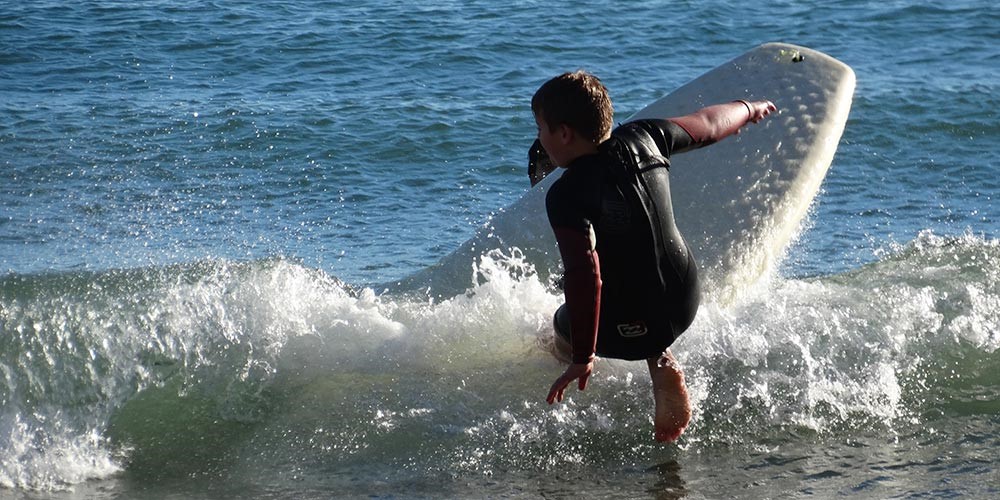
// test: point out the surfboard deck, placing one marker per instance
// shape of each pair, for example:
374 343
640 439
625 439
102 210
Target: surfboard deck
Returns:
739 202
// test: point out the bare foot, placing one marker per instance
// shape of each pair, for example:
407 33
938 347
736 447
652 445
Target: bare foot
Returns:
673 409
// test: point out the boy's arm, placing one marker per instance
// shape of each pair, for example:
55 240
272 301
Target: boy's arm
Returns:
577 247
582 287
581 265
583 299
714 123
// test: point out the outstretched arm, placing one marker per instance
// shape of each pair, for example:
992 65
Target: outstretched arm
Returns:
714 123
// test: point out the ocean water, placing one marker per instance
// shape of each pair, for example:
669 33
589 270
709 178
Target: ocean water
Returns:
204 207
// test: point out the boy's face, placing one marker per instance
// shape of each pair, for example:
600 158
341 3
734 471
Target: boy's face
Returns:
552 140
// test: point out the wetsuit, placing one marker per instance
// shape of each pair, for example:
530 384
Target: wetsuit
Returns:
629 274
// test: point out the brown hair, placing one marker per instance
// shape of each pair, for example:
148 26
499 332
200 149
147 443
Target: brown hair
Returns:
578 100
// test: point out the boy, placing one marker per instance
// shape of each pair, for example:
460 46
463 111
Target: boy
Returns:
631 281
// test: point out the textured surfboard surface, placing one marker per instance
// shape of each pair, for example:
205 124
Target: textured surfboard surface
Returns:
741 201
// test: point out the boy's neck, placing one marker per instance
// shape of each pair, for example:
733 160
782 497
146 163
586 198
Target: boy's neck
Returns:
579 149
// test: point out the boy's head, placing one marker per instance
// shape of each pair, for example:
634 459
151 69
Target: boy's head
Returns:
578 100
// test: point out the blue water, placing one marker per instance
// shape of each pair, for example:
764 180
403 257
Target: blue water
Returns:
200 202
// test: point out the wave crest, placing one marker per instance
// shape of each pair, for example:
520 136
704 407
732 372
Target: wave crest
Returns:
172 370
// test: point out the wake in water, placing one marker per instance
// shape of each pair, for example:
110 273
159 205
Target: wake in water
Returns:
270 369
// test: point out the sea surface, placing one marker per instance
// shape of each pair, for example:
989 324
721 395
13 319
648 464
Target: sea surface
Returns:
204 206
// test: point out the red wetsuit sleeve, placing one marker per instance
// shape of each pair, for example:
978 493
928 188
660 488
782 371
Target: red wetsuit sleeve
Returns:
582 288
713 123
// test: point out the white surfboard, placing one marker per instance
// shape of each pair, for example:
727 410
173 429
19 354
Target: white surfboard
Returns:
738 202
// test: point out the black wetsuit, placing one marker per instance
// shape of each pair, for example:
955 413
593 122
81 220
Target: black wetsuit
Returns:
646 276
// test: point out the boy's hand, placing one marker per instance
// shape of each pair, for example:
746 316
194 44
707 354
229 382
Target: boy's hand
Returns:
574 371
760 109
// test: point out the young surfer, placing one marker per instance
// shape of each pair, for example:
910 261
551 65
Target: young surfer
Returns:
631 282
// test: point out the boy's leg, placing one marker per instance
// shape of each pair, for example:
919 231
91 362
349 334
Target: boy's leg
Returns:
672 408
563 349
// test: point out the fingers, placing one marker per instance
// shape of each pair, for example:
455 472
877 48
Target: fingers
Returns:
761 110
574 372
557 391
556 396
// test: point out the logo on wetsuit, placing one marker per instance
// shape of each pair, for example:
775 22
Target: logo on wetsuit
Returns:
632 329
614 215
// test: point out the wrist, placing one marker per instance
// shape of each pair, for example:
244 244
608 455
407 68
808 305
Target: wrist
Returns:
748 106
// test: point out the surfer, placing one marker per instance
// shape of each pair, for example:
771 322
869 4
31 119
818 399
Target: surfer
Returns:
630 281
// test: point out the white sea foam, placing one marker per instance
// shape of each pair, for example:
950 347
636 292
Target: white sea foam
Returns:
322 372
